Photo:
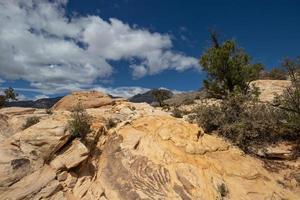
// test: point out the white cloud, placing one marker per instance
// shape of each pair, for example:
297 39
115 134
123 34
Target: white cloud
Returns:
125 92
22 97
56 53
41 96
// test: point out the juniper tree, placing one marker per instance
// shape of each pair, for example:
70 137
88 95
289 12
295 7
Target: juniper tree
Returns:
9 94
228 68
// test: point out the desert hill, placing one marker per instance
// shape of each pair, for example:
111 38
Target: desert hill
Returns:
148 97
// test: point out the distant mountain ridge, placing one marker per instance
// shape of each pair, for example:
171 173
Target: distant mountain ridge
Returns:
44 103
148 97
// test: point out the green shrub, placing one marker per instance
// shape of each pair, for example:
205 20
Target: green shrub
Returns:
31 121
177 113
289 101
209 118
80 122
242 120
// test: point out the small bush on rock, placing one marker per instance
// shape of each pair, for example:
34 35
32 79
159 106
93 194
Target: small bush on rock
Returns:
222 189
111 123
31 121
80 122
177 113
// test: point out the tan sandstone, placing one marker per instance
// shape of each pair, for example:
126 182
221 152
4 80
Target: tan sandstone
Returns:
147 154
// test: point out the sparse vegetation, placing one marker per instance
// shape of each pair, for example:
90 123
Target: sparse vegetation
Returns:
277 73
188 101
31 121
9 94
222 190
111 123
49 111
80 122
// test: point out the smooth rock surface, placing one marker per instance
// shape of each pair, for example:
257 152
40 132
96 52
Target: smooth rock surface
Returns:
91 99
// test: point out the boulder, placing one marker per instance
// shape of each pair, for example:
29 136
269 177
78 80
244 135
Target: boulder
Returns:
91 99
27 151
71 156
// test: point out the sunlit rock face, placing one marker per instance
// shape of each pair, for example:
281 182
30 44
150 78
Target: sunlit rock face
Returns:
270 88
145 154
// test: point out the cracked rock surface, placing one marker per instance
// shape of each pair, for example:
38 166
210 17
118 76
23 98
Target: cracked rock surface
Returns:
146 154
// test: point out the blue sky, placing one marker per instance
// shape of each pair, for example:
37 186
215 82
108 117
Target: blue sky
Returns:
52 48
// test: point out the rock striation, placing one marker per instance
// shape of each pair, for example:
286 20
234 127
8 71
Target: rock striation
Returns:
145 154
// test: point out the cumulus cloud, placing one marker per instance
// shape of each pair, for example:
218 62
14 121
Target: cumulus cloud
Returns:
56 52
125 92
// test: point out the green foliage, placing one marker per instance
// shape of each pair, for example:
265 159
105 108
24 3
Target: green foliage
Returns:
9 94
31 121
222 189
289 101
228 68
208 117
177 113
160 96
243 120
80 122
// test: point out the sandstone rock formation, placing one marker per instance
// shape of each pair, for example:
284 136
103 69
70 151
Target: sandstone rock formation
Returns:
91 99
269 88
145 154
